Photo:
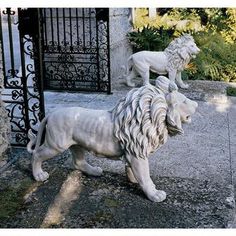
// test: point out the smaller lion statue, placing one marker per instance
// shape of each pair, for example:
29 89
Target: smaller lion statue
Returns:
138 125
171 61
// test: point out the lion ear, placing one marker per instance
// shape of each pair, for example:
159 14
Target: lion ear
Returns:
183 53
174 124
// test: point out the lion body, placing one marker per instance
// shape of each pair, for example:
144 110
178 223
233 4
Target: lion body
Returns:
137 126
112 133
172 61
84 127
146 60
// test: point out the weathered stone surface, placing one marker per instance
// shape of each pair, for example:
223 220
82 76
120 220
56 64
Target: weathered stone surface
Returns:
4 130
4 122
120 25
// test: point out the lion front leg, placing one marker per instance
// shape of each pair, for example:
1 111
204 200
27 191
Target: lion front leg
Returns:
81 164
130 174
140 168
172 75
180 82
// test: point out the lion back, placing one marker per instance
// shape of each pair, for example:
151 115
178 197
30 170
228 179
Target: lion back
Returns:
140 121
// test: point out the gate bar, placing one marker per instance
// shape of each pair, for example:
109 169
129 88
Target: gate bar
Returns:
77 26
11 42
2 47
58 33
52 27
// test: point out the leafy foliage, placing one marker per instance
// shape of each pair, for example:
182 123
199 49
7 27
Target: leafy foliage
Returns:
214 30
150 38
216 61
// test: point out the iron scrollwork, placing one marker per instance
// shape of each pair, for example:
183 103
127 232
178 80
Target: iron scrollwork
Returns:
22 96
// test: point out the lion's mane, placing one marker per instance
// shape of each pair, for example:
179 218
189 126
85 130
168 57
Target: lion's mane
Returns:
140 121
175 61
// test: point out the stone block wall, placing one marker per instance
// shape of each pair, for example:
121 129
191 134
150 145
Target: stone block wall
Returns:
4 121
120 49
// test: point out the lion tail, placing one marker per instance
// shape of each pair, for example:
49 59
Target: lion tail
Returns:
36 140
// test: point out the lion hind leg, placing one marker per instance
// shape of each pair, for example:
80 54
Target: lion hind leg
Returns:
144 71
42 154
129 78
140 168
81 164
145 75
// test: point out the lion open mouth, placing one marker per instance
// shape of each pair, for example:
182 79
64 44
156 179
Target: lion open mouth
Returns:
188 119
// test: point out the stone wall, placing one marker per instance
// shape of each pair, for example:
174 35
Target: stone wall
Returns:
4 121
120 49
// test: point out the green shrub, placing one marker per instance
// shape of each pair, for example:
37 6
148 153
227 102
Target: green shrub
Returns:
150 38
214 31
216 61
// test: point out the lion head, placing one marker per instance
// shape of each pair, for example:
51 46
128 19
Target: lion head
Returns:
144 118
180 51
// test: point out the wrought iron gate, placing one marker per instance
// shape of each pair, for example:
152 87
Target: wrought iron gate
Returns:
20 41
76 49
54 49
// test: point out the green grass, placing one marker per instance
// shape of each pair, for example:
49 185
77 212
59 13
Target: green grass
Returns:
231 91
11 199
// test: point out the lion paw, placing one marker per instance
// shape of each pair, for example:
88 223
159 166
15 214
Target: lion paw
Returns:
91 170
41 176
130 84
97 171
158 196
184 86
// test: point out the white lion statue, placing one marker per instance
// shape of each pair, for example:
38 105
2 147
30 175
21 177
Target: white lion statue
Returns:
137 126
171 61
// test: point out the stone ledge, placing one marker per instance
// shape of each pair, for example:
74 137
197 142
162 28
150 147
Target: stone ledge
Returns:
200 90
209 91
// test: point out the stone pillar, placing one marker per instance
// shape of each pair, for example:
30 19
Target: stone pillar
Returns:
120 49
4 121
152 12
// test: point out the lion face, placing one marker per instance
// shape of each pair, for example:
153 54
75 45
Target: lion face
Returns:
190 50
180 51
185 107
180 110
193 50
